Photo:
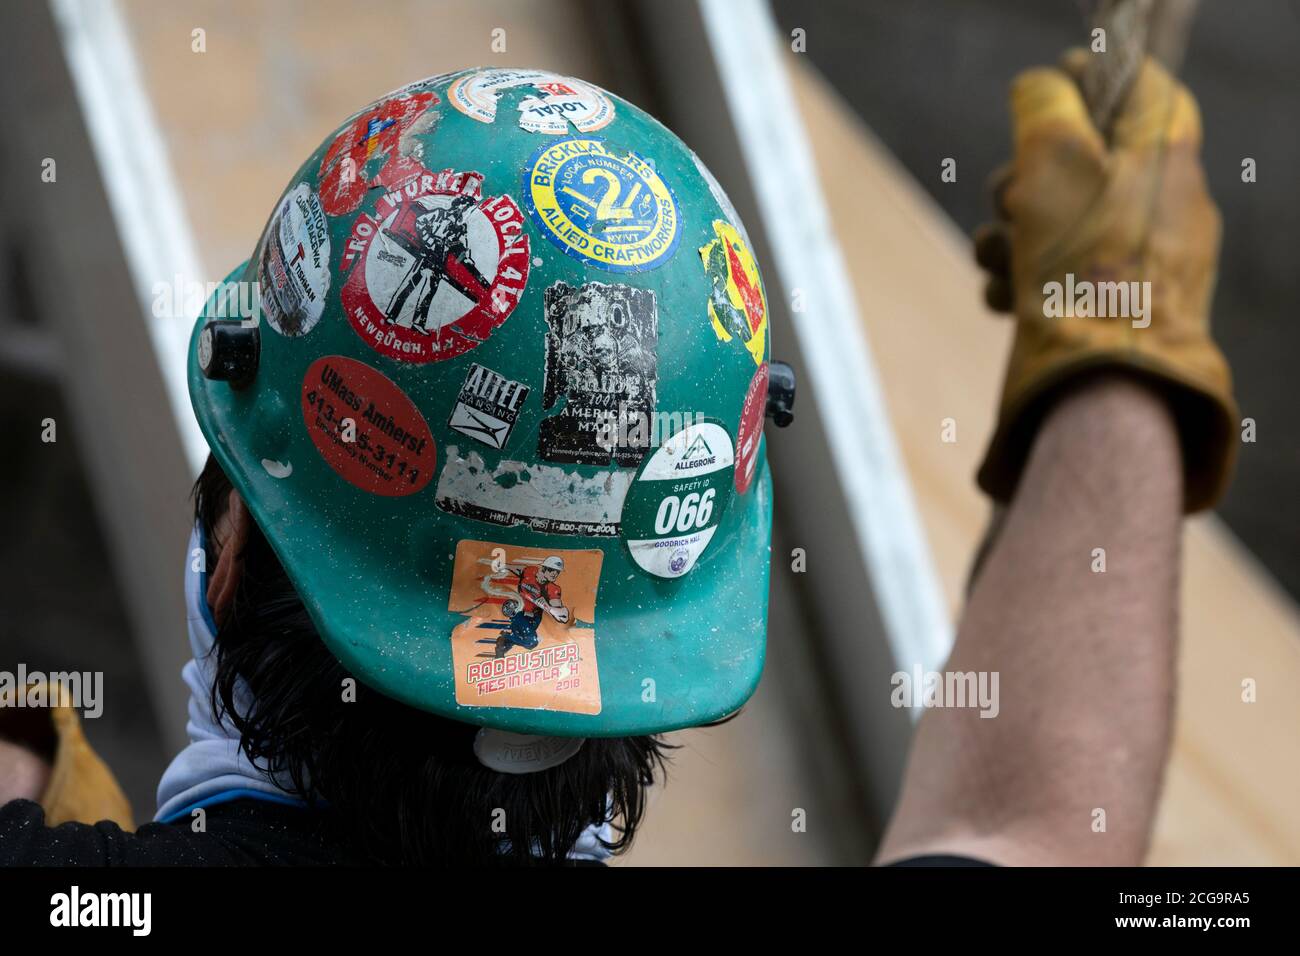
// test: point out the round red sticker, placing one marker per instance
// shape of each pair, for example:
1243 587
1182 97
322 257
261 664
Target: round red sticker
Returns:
437 268
750 431
366 428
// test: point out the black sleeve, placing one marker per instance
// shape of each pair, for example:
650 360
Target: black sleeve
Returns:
941 859
240 833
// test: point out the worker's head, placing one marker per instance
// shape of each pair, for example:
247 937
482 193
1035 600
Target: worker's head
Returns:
516 476
408 784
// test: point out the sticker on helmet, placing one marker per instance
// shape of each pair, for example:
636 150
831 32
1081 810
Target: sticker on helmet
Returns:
545 498
528 640
437 268
366 428
429 81
488 406
749 433
554 103
615 212
293 272
737 306
602 366
376 136
678 499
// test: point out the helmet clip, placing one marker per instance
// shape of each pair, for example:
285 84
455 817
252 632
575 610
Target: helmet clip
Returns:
780 393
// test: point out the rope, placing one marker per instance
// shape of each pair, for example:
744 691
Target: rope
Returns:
1109 76
1134 28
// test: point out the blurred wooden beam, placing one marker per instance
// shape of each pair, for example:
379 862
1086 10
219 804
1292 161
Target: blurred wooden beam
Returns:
1230 792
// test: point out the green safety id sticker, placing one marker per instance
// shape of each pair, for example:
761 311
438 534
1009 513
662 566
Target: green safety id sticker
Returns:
678 499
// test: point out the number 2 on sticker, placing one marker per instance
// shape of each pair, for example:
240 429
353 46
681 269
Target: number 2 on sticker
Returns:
605 208
693 511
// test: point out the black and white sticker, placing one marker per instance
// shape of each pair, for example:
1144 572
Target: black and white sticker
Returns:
602 367
294 271
488 406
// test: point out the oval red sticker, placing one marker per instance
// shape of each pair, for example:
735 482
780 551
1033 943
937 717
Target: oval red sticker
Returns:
366 428
750 431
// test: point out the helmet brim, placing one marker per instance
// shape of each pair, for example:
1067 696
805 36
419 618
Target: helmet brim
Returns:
670 654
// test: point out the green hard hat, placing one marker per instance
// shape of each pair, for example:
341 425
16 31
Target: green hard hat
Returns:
499 408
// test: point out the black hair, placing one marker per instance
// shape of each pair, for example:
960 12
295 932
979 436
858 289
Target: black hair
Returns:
404 784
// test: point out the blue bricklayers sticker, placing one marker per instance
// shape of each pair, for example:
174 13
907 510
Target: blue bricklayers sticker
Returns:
613 211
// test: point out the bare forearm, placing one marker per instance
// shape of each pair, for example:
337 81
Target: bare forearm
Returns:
1085 656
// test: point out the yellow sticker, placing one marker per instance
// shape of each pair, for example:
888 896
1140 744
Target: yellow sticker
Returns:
529 636
615 212
737 306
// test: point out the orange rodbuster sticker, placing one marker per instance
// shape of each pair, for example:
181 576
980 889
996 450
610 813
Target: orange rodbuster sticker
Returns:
366 428
529 635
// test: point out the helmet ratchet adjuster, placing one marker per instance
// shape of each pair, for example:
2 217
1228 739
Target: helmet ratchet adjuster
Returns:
229 351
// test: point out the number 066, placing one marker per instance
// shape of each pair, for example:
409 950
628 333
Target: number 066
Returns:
693 511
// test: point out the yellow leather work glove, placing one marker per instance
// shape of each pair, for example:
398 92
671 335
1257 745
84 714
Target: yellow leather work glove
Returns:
1123 239
80 787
